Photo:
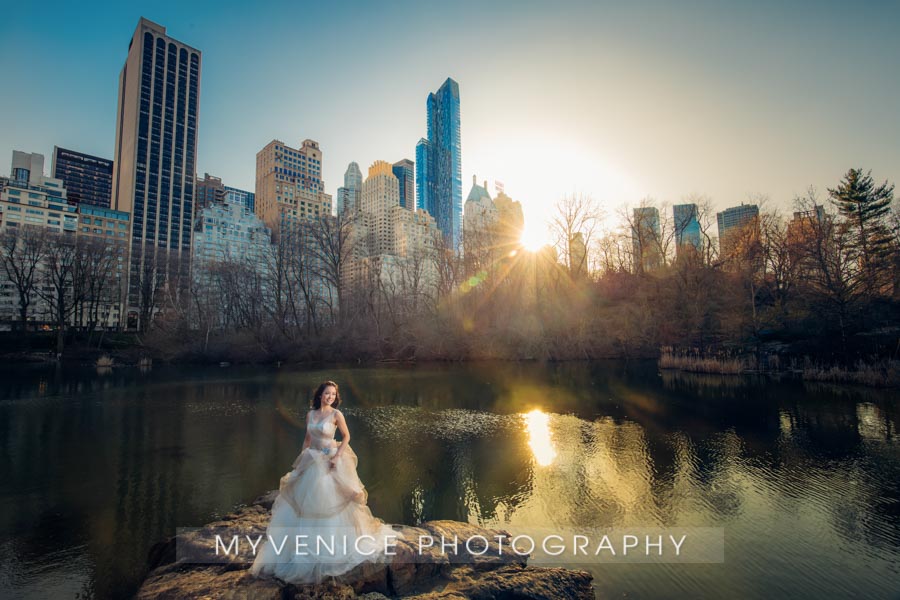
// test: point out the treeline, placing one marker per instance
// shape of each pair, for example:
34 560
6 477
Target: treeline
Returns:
60 280
820 283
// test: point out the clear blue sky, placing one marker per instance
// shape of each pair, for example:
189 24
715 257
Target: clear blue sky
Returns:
615 100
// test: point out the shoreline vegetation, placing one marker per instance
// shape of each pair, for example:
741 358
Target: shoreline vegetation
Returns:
877 373
816 295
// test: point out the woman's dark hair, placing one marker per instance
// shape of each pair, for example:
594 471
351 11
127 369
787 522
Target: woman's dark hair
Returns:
317 398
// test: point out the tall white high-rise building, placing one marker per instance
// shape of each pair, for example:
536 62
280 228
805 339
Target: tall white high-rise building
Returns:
380 193
348 196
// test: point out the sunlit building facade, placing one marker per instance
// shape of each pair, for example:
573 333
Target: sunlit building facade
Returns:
733 223
380 193
391 240
289 186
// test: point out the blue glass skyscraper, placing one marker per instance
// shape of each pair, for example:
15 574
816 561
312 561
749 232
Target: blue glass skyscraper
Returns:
687 227
439 164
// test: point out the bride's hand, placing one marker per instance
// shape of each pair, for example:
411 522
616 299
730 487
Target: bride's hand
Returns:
334 461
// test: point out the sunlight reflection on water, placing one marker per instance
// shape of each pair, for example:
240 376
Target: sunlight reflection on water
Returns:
537 424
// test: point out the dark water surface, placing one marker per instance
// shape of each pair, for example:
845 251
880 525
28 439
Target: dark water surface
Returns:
805 479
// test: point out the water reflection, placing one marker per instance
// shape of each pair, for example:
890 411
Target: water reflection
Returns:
537 424
95 470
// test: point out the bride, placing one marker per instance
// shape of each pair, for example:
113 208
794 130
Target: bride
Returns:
321 526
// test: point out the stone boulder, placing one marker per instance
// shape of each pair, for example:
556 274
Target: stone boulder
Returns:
431 574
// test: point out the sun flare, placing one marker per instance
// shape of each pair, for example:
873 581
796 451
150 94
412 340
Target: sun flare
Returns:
533 238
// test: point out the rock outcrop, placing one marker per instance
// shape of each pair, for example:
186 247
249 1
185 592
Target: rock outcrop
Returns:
430 574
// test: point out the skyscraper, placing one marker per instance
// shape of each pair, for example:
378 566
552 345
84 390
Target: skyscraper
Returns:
380 193
687 227
155 157
577 255
439 164
88 179
392 242
348 196
733 222
403 171
645 239
511 220
289 186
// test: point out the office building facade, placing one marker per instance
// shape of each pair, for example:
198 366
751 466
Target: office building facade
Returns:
236 196
156 153
87 179
404 170
687 227
734 223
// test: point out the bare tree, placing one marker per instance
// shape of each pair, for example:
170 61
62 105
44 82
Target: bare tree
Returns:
278 284
647 241
21 252
781 263
151 277
450 267
333 246
99 272
575 214
830 262
59 288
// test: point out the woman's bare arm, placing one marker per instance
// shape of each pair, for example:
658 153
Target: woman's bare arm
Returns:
345 433
307 440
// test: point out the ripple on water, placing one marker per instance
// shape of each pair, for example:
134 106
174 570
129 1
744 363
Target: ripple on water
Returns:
396 423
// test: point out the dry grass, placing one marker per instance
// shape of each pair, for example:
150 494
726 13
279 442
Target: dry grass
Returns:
697 364
881 374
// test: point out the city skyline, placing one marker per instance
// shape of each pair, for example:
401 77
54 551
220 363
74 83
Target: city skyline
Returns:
726 101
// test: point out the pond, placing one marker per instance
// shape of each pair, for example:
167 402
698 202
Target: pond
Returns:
804 479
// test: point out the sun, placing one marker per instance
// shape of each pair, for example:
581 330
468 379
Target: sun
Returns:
533 238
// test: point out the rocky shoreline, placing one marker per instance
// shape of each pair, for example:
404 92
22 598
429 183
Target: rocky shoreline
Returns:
411 575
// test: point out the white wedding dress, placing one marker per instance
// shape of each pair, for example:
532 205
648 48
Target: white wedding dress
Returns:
328 506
